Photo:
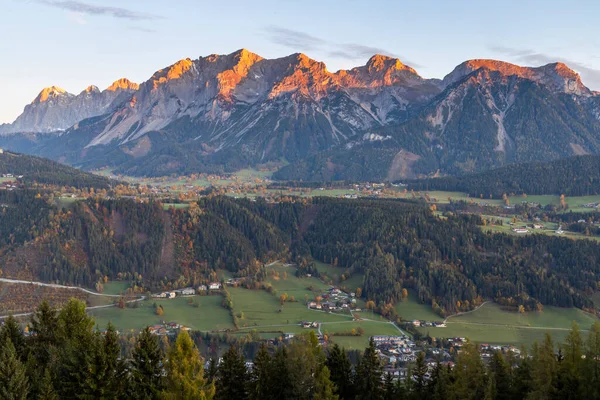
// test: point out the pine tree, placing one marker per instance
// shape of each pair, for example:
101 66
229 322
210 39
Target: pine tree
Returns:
146 380
258 384
341 372
185 372
368 375
232 376
13 379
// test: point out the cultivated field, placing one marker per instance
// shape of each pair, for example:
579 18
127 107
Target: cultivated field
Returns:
491 324
208 316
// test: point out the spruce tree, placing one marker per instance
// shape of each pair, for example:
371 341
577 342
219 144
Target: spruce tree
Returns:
11 331
232 376
13 379
418 381
499 369
341 372
570 368
145 378
46 388
543 370
258 385
369 374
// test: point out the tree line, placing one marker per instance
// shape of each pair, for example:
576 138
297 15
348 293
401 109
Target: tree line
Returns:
65 356
573 176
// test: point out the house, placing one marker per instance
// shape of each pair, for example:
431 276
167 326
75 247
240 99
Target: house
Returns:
416 323
214 286
188 292
202 288
162 295
538 226
520 230
312 304
171 295
288 336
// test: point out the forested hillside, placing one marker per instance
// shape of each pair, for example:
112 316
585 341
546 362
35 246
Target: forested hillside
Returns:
44 171
450 262
575 176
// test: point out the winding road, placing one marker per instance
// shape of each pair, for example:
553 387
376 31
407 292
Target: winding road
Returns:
57 286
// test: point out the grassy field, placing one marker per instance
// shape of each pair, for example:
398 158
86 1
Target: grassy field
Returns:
491 324
575 203
263 310
411 309
210 315
115 287
371 328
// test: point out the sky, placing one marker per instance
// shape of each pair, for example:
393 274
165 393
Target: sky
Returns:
76 43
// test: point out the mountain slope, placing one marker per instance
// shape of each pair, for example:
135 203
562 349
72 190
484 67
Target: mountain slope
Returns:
377 121
483 120
574 176
43 171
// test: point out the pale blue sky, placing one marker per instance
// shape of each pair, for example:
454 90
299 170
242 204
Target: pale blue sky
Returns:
76 43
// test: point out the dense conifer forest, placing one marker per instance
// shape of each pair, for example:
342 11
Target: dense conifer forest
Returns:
450 262
575 176
64 356
47 172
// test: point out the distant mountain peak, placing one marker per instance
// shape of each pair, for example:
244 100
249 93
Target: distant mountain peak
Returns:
123 84
91 89
556 76
49 93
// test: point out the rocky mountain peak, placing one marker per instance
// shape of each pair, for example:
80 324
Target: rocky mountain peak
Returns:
49 93
91 89
123 84
557 76
380 62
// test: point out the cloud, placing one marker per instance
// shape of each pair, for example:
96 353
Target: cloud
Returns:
301 41
294 39
589 76
90 9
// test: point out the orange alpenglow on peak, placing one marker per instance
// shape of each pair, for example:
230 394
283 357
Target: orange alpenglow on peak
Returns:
49 92
92 89
380 62
123 84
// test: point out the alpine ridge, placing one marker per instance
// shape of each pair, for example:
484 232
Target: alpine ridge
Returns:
381 120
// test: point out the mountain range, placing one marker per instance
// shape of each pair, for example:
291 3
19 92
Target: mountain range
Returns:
378 121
